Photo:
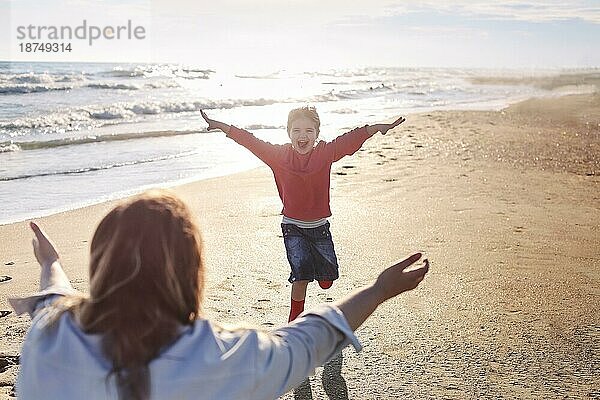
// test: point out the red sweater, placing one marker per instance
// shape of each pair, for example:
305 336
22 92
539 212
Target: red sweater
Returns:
302 179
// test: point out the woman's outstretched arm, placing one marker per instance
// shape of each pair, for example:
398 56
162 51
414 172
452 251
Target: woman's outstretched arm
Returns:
51 274
359 305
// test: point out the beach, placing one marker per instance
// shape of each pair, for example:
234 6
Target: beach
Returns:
505 205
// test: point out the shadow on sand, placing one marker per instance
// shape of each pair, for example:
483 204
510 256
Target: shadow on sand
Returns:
334 383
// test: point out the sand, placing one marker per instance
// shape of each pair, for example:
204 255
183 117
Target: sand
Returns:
505 204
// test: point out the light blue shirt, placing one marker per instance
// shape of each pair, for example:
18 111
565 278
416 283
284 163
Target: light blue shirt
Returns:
206 361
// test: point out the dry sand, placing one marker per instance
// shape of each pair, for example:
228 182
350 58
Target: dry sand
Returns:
506 205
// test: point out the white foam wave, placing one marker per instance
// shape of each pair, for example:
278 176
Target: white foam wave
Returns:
8 148
71 120
152 70
113 112
39 78
95 116
29 82
27 88
148 108
162 84
344 111
120 86
255 127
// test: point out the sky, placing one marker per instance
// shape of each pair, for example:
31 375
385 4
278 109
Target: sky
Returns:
315 34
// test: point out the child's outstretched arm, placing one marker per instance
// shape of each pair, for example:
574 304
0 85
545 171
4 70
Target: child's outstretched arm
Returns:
213 124
348 143
267 152
384 128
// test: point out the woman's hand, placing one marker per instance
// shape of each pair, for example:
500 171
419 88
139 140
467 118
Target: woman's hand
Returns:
391 282
44 250
395 279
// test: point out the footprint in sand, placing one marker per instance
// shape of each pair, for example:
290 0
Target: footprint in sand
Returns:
514 312
5 278
274 285
4 313
225 285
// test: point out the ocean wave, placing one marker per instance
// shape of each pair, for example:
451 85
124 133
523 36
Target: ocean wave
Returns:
255 127
155 70
36 83
147 109
119 72
192 74
96 116
273 75
116 112
32 83
120 86
96 168
27 88
162 84
29 82
71 120
354 94
9 147
29 77
39 78
344 111
337 73
48 144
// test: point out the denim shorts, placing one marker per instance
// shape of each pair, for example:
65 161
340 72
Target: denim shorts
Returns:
310 253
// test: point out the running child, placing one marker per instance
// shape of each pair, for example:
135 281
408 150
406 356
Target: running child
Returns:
302 171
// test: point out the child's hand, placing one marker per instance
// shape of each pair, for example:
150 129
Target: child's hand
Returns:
386 127
44 250
212 124
395 279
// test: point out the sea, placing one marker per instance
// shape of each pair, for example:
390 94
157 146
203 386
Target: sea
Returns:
75 134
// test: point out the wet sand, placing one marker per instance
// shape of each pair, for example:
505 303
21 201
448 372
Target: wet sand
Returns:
506 205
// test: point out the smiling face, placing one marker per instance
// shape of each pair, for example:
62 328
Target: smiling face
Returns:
303 133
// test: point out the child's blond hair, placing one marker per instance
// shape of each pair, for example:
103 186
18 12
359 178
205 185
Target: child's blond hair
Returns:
309 112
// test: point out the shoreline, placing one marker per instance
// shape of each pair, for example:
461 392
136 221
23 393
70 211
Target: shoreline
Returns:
510 307
486 107
123 195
